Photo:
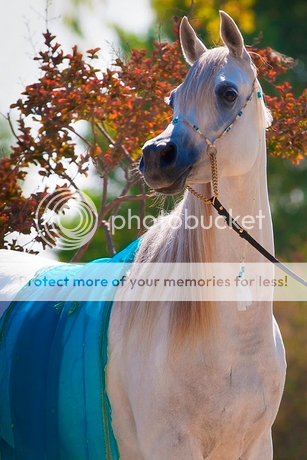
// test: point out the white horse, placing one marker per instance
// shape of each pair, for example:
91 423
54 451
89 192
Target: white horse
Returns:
199 380
174 394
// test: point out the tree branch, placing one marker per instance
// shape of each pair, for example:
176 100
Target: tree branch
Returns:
8 118
126 199
124 192
104 194
124 151
106 227
70 128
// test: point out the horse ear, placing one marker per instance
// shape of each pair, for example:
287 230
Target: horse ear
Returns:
231 36
192 47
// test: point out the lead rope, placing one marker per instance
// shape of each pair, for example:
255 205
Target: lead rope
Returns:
222 211
212 153
232 223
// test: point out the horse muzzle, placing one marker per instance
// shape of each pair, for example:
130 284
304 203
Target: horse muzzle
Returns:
164 169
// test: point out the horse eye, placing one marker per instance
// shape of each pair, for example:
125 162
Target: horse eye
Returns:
230 95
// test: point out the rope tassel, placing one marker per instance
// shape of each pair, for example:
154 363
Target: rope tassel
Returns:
244 296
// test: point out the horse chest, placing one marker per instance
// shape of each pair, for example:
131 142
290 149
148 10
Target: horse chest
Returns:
226 395
237 395
219 403
226 409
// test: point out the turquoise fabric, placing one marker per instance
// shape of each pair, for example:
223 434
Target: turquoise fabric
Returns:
53 399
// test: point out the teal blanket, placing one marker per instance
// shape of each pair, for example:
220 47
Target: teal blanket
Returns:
53 399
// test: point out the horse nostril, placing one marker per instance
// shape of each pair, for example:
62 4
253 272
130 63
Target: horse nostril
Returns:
168 154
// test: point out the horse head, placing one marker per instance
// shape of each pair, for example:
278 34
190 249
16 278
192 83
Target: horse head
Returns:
213 95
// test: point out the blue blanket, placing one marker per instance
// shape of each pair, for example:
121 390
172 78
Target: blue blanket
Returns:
53 399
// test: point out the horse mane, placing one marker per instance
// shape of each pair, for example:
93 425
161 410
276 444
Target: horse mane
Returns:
188 321
265 117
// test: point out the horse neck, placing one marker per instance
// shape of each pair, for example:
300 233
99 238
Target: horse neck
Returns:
242 196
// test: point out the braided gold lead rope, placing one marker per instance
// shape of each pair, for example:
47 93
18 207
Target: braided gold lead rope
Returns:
212 153
198 195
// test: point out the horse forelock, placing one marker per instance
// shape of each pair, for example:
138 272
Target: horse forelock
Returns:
197 90
199 82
